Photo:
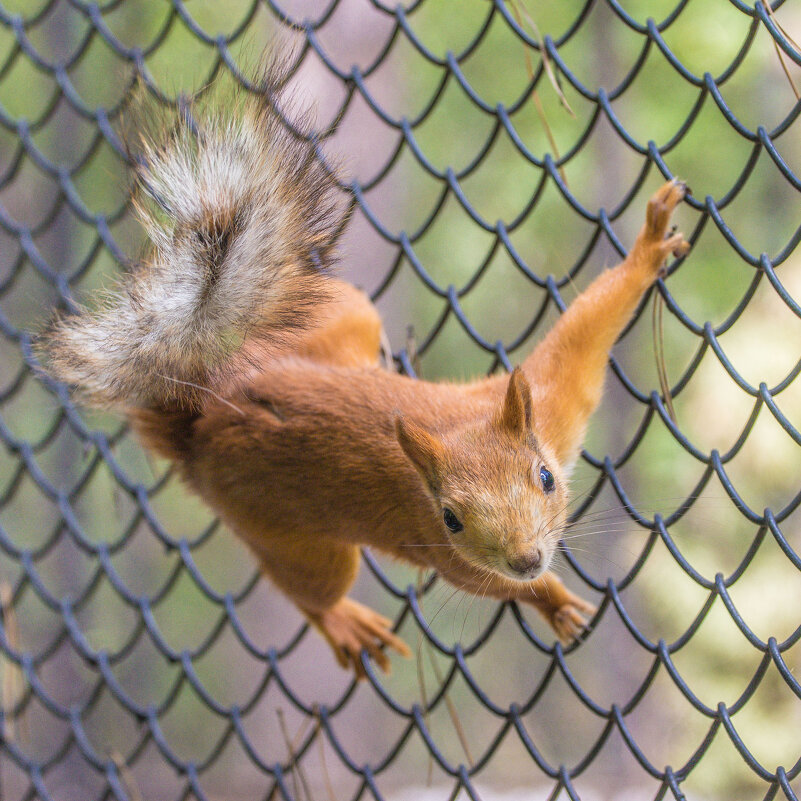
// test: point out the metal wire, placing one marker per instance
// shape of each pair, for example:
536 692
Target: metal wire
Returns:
67 665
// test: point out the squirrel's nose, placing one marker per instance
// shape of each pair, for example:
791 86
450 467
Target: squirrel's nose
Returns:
525 562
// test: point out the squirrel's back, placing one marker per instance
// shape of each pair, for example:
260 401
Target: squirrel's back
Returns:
241 215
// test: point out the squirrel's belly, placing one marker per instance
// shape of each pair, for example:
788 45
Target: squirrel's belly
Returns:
298 470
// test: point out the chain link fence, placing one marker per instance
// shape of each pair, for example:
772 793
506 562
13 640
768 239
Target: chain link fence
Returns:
495 156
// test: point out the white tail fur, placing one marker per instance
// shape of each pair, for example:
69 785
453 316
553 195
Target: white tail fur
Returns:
241 234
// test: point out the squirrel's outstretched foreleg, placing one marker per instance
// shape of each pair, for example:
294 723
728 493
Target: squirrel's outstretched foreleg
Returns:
568 367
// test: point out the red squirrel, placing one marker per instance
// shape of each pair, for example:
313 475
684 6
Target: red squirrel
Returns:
234 352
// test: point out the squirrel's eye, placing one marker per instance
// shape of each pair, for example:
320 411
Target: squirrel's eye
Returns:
451 521
547 479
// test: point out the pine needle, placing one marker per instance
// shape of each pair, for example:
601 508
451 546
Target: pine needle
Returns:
454 715
411 349
657 325
319 734
421 678
451 707
779 53
546 59
12 674
516 5
293 762
127 777
386 352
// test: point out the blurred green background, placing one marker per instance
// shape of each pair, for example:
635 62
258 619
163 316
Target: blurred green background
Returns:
90 563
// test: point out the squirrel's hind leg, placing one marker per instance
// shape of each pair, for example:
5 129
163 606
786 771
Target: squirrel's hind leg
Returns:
348 333
315 573
349 627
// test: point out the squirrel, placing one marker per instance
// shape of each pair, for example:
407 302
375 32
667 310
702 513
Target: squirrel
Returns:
236 353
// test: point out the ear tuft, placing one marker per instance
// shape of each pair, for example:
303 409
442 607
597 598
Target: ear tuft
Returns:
517 416
424 450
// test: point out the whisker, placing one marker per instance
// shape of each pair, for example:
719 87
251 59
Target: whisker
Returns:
470 607
597 554
619 541
444 604
617 511
652 504
426 545
483 590
567 533
211 392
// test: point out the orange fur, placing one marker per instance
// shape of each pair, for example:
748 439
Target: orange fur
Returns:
319 451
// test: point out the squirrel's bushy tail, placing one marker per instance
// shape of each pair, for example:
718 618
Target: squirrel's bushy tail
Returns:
241 229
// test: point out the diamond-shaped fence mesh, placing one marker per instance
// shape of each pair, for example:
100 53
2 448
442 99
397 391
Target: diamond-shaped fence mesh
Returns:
496 155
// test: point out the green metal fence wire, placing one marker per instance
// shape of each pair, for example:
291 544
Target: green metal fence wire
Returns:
496 153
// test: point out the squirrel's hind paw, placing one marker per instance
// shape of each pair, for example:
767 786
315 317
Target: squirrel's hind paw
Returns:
349 627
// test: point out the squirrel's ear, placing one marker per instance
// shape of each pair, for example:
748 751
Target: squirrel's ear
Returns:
517 416
424 450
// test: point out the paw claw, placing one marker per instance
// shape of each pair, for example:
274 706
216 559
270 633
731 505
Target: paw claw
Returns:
658 238
677 245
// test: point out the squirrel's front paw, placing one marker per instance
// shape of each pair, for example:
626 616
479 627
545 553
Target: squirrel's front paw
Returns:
655 235
350 627
570 620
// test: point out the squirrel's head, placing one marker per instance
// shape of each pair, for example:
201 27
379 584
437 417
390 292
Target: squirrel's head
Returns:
501 496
